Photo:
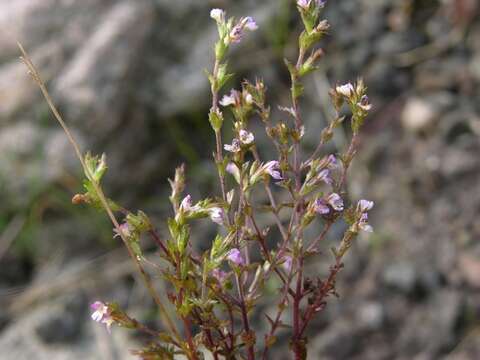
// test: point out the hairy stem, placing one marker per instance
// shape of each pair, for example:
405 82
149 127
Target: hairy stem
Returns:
246 324
218 135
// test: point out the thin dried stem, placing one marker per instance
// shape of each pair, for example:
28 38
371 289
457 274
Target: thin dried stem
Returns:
37 78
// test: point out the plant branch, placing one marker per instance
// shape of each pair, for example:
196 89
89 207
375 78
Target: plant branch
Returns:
37 78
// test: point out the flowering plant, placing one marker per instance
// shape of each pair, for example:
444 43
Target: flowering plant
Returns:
214 293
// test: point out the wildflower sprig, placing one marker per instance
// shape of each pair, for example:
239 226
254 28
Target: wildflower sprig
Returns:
214 292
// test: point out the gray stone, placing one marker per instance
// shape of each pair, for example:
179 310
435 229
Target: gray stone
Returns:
401 276
371 315
33 336
418 115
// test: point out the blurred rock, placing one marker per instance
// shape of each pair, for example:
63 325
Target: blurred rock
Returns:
392 43
65 326
35 335
470 269
432 330
418 115
401 276
371 315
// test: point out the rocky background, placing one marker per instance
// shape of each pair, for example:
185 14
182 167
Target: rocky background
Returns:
128 76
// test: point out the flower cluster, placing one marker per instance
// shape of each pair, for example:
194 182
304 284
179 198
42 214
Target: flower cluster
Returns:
230 31
363 207
263 214
314 188
102 314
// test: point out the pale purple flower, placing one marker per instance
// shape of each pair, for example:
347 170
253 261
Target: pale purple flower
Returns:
363 223
365 103
324 175
231 168
321 206
220 275
272 168
124 229
218 15
346 90
186 204
234 148
236 257
246 137
364 205
332 161
304 4
249 23
287 264
335 202
101 314
238 31
217 215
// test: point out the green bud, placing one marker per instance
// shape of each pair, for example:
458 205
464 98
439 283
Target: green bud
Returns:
216 119
309 65
96 167
140 222
177 185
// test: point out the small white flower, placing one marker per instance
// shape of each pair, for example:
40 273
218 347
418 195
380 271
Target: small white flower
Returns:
246 137
363 223
346 90
234 147
231 99
218 15
249 99
217 215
